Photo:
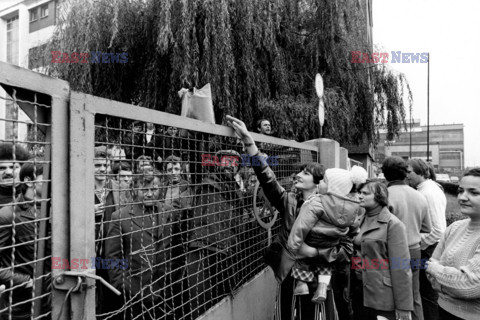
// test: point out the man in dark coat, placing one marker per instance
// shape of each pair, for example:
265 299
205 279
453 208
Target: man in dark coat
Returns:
143 233
212 258
11 160
20 271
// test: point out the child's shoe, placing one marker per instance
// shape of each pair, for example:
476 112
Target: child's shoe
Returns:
301 288
320 294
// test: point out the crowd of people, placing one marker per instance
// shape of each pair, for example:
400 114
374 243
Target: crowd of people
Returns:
386 248
346 248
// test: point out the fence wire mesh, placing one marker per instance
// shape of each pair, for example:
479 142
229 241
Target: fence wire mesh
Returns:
176 227
25 220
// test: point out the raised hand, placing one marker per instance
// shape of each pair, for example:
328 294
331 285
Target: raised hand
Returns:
242 132
240 129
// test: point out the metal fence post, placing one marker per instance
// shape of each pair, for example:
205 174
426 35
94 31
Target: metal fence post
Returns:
82 218
55 93
60 196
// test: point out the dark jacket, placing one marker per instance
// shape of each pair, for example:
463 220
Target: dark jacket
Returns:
7 196
102 220
186 193
386 288
288 204
143 239
21 268
216 215
23 265
184 203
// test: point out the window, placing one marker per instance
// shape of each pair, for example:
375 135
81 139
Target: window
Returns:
12 40
44 11
33 14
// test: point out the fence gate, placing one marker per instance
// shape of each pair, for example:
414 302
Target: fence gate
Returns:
142 215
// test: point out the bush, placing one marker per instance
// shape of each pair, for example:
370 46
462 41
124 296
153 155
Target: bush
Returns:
452 213
449 188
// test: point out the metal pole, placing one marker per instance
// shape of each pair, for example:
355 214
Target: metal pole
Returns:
461 161
428 109
411 132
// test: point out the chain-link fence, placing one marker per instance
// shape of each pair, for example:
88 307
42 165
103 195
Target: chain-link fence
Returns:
175 213
25 219
166 211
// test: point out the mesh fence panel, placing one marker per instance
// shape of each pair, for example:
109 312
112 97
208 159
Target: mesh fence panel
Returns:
25 220
175 218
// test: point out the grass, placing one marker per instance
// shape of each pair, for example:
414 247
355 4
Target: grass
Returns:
453 210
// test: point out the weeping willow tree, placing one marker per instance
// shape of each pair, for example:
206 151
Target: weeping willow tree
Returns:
260 57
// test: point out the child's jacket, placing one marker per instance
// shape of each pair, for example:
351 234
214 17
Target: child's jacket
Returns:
322 221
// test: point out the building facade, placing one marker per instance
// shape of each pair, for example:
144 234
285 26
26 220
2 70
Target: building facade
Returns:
446 149
24 27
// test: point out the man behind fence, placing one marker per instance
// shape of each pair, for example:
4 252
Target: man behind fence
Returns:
11 157
143 233
212 259
121 184
18 227
105 203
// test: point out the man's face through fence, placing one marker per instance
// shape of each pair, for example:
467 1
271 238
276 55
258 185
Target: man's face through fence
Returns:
174 172
137 127
228 166
144 166
125 177
101 166
9 172
148 191
172 131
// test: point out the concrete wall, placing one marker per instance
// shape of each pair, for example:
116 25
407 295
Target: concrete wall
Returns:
329 152
344 162
254 301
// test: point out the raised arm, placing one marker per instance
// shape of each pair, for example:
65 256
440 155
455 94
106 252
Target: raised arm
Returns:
274 192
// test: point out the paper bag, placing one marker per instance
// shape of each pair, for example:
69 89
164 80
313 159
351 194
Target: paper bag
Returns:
198 104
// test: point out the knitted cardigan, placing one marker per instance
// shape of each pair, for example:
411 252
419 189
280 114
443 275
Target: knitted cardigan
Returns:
455 269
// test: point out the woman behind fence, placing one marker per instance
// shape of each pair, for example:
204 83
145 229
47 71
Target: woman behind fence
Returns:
381 279
454 269
278 256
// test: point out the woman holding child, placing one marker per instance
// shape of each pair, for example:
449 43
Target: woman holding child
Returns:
313 234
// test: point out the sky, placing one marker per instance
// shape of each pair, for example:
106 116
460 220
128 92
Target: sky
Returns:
449 31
